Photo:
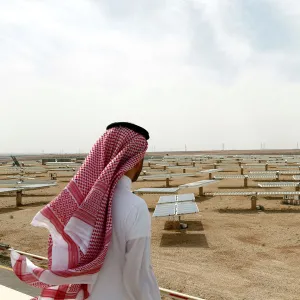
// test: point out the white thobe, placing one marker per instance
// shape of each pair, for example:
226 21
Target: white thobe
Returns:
127 273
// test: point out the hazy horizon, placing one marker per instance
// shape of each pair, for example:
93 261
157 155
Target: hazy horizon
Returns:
196 74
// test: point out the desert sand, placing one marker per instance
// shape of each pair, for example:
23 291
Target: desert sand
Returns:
227 252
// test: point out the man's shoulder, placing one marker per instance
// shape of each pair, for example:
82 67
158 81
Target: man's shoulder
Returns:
126 201
136 201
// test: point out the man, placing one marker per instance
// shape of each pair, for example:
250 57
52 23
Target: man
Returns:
99 245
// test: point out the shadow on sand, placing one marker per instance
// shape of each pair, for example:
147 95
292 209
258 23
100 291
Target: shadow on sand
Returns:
6 210
184 240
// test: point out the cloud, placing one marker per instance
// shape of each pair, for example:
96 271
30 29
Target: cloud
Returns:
183 69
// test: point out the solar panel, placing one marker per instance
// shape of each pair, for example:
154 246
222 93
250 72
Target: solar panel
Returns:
7 190
157 176
36 186
254 167
175 205
165 176
229 177
176 167
289 172
251 193
189 207
289 167
277 193
197 184
277 184
164 210
267 176
211 171
13 182
296 177
61 169
183 175
156 190
262 172
167 199
231 194
25 187
176 198
185 197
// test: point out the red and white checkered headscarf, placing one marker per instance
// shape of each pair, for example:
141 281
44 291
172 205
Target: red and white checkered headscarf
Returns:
79 219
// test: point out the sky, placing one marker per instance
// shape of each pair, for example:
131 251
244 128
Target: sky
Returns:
197 74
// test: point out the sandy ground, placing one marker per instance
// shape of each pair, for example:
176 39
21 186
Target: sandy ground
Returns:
227 252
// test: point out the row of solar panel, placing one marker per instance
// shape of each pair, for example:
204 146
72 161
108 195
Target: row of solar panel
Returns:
196 184
176 175
251 193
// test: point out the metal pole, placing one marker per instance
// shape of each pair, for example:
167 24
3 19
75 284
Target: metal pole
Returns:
246 181
19 198
253 202
201 191
167 182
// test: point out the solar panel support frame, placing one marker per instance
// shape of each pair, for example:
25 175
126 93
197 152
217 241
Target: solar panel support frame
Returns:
201 191
19 198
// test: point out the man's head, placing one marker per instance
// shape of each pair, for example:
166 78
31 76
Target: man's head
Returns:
134 172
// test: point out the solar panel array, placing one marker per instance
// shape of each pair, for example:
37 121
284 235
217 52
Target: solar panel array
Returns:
7 190
254 167
167 209
277 184
211 171
289 172
184 208
229 177
176 205
251 176
272 176
277 193
197 184
230 194
156 191
251 193
13 182
25 187
165 176
178 198
262 172
289 167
